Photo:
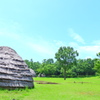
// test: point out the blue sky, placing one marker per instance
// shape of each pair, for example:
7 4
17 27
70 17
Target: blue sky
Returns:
37 28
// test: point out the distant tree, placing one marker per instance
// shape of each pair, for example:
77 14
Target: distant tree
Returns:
28 63
66 56
44 61
58 68
89 65
33 65
49 69
98 54
50 61
36 66
84 67
97 64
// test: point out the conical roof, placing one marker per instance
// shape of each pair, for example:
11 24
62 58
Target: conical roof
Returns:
14 72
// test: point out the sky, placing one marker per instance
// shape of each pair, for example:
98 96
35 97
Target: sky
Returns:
36 29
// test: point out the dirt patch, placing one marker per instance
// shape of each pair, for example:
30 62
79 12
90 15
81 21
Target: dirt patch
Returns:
44 82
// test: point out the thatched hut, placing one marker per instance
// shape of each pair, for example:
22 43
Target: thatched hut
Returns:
14 72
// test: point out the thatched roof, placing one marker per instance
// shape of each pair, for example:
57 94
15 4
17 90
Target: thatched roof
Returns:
33 72
14 72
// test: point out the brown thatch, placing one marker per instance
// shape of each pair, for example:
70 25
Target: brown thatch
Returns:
14 72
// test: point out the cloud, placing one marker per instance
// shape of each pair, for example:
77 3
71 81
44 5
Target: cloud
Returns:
85 51
88 51
90 48
73 44
39 47
59 43
96 42
10 35
10 30
76 36
48 49
42 47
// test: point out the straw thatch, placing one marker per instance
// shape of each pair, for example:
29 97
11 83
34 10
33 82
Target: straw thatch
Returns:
14 72
33 73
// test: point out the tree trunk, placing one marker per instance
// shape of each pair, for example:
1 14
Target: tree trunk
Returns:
64 74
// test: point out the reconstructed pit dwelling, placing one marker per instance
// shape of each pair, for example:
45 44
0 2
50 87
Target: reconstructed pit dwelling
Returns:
14 72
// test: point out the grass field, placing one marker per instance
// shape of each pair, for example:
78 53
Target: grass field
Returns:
69 89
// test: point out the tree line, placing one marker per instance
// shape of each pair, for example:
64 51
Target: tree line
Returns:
66 65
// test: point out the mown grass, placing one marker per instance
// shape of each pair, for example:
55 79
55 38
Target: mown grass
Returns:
69 89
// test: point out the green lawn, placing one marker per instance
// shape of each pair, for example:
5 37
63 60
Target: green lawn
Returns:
69 89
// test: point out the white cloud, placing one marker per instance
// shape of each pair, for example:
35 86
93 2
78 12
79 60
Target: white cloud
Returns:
88 51
90 48
76 36
24 43
59 43
96 42
10 35
42 47
73 44
10 30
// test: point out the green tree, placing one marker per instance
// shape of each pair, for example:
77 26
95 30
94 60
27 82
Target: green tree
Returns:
97 64
28 63
84 67
66 56
33 65
98 54
50 61
47 67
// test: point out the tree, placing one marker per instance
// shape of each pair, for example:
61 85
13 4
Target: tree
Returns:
33 65
97 64
84 67
50 61
49 69
98 54
66 56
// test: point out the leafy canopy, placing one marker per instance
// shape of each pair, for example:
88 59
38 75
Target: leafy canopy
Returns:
66 55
